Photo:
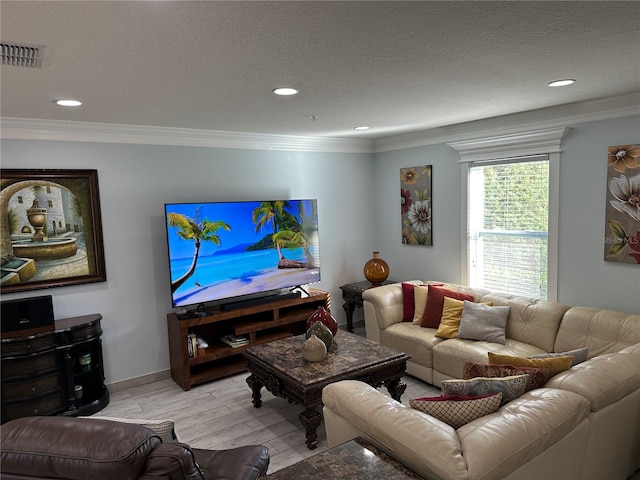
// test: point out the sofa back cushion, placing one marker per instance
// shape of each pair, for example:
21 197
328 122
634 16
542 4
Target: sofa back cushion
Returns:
530 320
603 331
75 448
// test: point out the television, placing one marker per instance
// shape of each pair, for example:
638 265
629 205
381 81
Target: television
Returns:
229 252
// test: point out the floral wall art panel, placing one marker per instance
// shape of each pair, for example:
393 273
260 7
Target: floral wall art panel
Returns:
622 235
415 203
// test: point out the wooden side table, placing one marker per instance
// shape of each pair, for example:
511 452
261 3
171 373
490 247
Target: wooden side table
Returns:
352 295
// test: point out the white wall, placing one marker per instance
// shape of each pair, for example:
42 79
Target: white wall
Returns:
358 202
584 278
135 181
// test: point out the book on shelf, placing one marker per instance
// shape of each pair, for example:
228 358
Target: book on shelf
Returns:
235 341
195 345
192 344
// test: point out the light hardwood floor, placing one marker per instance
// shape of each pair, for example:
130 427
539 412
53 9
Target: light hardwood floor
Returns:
220 415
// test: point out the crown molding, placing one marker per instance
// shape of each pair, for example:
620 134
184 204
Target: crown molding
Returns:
544 118
552 117
511 146
37 129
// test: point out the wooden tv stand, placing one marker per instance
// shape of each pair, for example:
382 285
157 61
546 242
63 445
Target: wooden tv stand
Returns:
261 323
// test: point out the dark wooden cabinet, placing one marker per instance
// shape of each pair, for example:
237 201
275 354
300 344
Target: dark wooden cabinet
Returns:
261 323
59 372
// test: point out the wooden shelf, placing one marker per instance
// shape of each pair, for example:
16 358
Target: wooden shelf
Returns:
260 323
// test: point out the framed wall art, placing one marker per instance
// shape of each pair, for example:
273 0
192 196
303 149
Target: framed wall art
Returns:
50 229
622 229
415 205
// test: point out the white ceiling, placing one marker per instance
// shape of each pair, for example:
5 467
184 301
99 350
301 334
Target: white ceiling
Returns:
398 67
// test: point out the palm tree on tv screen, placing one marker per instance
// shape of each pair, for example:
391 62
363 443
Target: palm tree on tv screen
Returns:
270 213
295 232
198 230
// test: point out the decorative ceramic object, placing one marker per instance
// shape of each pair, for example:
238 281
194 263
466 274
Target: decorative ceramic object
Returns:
324 316
313 349
376 270
321 331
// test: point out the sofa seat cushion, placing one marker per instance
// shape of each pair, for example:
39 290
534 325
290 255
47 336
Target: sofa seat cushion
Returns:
450 355
602 380
412 340
64 447
497 444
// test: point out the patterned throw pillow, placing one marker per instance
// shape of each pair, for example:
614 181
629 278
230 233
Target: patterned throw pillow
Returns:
435 303
511 387
555 365
457 410
537 376
579 355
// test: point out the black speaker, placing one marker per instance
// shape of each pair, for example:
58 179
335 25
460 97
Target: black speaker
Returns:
31 314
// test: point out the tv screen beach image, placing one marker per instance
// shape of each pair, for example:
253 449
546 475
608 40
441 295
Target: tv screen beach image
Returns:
221 250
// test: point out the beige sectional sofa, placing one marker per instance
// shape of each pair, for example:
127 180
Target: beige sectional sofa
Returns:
583 424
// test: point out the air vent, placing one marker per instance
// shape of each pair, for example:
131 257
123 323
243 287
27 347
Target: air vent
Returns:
22 55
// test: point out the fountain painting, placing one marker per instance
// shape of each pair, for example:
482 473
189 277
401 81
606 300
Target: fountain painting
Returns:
50 229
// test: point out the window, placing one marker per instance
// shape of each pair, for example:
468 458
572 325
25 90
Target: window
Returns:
507 226
510 212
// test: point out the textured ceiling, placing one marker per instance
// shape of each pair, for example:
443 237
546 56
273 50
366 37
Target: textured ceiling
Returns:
398 67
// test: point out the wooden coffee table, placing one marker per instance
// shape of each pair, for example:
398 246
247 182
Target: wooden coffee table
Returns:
279 367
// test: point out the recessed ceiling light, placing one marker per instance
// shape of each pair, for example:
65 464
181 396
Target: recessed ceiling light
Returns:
362 127
562 83
68 103
285 91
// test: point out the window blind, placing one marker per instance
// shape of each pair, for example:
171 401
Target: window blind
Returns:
508 217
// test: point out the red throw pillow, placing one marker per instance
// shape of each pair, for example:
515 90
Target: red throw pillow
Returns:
435 302
408 302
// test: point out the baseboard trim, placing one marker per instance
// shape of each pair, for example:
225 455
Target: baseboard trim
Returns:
137 381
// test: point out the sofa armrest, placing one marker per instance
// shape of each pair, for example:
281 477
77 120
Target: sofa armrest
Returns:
602 380
174 461
633 349
382 307
490 447
241 463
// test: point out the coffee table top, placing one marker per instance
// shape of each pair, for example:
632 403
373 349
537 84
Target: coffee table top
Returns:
354 460
349 353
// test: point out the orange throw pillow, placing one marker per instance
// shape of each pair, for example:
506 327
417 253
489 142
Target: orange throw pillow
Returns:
554 365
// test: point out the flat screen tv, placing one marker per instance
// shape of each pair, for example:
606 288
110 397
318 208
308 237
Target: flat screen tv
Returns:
227 251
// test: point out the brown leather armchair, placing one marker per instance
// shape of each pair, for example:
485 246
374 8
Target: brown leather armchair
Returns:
95 449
